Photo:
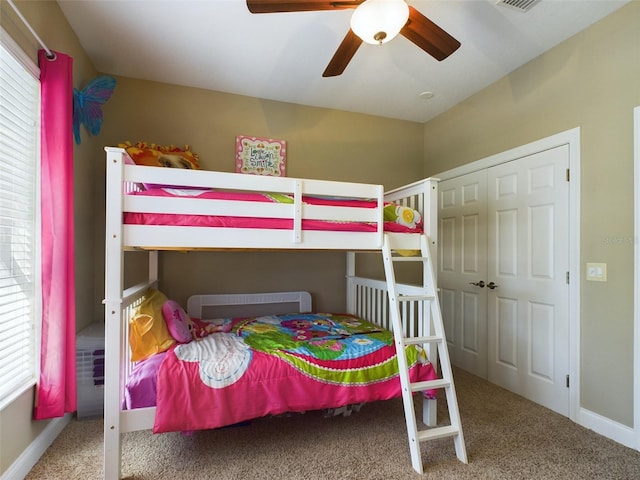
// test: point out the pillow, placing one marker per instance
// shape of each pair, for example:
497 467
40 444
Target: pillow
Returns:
202 328
405 216
177 320
140 390
148 332
162 155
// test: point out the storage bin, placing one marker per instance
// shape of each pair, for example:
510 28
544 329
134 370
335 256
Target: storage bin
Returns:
90 370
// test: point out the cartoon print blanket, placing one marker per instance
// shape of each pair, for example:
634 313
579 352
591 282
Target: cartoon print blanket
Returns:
252 367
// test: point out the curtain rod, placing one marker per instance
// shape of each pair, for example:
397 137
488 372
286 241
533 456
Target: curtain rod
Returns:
50 54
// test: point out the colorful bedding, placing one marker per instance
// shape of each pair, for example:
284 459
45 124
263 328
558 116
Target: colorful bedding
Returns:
396 218
253 367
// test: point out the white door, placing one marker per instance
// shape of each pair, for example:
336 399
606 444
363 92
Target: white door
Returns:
462 269
528 260
503 261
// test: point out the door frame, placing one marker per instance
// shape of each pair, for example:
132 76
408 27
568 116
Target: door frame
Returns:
572 139
636 276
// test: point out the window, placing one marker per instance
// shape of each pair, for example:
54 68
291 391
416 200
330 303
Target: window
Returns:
19 222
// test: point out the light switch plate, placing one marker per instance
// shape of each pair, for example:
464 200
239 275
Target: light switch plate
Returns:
597 272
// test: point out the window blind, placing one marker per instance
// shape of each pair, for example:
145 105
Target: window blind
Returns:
19 232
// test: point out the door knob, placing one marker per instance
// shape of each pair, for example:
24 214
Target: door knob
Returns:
492 285
478 284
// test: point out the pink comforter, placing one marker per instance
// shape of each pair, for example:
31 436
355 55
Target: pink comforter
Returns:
273 365
405 221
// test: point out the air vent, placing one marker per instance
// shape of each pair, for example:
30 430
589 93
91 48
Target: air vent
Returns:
520 5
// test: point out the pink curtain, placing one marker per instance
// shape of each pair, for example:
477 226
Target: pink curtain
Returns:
56 390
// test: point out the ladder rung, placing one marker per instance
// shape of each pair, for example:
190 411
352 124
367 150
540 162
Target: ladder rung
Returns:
410 259
413 298
429 385
421 340
438 432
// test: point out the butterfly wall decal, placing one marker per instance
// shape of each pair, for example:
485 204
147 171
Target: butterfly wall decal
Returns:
87 105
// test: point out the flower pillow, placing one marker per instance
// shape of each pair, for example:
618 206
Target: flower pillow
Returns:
148 332
401 215
178 322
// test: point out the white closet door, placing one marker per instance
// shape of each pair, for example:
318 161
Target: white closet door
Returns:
528 260
463 261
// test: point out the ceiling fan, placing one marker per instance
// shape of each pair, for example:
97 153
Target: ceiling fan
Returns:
396 16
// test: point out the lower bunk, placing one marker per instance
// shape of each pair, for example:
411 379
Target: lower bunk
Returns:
223 371
233 358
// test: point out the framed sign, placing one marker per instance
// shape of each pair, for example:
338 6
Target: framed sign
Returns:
261 156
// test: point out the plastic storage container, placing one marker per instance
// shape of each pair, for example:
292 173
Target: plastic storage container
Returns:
90 370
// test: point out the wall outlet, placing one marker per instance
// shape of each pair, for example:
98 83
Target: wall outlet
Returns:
597 272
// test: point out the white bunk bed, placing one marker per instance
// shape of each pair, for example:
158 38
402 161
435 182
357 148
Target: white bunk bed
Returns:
366 298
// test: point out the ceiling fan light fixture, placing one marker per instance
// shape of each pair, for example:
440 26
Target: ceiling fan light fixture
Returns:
378 21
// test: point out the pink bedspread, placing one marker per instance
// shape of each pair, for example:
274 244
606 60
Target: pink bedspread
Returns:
396 219
277 364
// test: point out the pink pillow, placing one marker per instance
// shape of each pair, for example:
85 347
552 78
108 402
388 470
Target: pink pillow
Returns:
177 320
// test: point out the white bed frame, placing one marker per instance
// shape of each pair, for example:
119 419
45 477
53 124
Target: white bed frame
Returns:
365 297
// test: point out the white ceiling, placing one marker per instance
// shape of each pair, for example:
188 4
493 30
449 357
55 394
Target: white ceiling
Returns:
219 45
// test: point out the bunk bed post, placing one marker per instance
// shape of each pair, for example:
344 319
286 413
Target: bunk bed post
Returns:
113 314
351 286
430 211
153 266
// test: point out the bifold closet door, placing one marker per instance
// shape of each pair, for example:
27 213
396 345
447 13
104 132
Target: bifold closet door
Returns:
462 269
528 262
502 264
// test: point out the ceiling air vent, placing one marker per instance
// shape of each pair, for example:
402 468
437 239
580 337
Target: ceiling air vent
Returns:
520 5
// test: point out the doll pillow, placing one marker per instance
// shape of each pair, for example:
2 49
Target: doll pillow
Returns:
168 156
162 155
202 328
177 320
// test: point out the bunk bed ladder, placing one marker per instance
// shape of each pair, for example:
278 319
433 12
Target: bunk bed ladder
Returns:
429 299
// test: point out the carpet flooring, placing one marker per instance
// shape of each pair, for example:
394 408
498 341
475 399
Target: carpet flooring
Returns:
506 436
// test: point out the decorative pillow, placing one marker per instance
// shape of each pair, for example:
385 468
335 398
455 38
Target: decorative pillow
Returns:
178 322
148 332
162 155
202 328
402 215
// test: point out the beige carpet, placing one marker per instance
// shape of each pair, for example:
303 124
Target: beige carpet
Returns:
507 437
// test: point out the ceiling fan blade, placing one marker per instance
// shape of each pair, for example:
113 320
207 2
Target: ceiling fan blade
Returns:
429 36
274 6
343 55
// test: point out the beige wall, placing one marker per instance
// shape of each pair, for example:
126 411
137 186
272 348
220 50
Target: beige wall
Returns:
17 430
591 81
321 144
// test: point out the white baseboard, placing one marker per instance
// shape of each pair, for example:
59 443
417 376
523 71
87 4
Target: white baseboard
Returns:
608 428
25 462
